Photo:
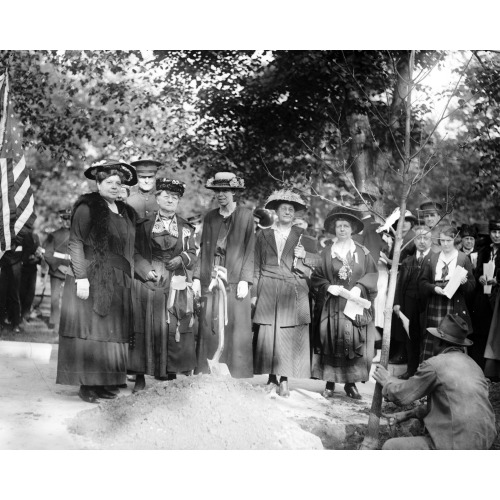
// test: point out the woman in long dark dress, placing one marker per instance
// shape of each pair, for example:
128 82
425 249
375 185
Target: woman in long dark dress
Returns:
167 346
281 294
343 348
96 318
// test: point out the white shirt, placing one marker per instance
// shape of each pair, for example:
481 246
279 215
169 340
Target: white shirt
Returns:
281 237
343 249
442 260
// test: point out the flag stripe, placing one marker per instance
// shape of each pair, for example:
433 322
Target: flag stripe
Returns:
5 238
20 168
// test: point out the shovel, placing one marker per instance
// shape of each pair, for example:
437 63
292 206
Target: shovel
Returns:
215 367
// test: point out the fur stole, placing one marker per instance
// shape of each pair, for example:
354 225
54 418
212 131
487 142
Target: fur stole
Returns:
100 273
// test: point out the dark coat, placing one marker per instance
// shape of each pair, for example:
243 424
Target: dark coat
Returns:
239 250
143 203
101 246
185 246
291 307
427 285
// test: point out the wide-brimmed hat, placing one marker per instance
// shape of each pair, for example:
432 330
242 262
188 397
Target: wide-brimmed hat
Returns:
452 329
225 180
285 196
65 213
494 225
265 217
482 228
173 185
408 216
430 206
343 213
128 171
146 166
467 230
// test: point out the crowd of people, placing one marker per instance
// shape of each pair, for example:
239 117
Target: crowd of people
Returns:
147 292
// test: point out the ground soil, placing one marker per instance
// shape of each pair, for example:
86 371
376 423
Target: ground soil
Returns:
199 412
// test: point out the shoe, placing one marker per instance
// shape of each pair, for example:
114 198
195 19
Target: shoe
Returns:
113 389
162 379
352 391
140 384
328 393
272 380
88 395
102 393
404 376
283 390
171 376
122 386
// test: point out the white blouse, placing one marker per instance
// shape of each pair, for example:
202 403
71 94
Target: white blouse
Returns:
442 260
281 237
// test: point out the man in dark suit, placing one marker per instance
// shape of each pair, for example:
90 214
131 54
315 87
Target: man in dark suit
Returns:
406 299
56 256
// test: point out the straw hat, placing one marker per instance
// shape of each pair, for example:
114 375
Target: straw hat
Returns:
285 196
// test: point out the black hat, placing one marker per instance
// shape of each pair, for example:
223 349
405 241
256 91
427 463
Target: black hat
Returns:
265 217
146 166
466 230
343 213
65 213
430 206
452 329
172 185
128 171
494 225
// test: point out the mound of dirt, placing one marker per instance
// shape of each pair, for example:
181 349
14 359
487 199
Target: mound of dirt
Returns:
193 413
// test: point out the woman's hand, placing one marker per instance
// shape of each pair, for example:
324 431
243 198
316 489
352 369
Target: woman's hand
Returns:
482 280
463 281
381 375
174 263
334 289
152 276
396 309
299 252
438 290
242 290
82 288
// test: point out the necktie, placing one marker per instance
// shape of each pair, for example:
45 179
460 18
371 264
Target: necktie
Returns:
445 272
420 259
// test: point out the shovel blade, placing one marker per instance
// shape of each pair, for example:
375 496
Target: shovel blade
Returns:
218 369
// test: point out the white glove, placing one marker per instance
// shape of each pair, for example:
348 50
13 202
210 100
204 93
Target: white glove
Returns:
196 287
355 290
242 290
334 289
82 288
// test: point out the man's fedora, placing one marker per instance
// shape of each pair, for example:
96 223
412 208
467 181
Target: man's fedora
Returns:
452 329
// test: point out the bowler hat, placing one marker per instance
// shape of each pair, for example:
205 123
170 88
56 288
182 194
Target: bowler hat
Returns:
452 329
146 166
343 213
128 171
466 230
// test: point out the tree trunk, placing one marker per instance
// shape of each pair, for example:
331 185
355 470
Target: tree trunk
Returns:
370 441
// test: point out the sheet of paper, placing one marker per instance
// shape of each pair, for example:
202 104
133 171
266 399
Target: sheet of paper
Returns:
406 323
352 309
364 303
458 274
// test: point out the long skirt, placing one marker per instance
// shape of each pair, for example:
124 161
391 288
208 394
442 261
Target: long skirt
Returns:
439 306
91 362
283 351
337 367
156 350
237 353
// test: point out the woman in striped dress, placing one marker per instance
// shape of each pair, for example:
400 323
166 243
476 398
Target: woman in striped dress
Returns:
281 294
434 277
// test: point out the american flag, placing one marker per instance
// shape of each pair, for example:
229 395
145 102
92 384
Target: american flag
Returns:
16 195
